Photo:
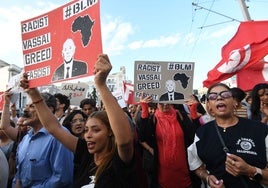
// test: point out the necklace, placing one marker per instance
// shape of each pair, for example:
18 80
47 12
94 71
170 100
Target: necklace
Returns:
225 128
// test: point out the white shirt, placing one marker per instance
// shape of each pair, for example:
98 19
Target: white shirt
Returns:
70 69
91 184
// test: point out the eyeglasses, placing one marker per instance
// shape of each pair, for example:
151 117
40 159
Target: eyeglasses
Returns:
78 121
224 94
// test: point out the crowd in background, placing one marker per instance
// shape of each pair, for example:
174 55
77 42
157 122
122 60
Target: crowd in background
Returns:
146 144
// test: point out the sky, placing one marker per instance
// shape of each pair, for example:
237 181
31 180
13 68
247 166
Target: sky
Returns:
147 30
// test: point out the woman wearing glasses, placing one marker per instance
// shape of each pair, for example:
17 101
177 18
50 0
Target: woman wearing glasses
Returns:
75 123
229 151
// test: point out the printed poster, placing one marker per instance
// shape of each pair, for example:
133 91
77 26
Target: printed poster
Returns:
62 44
76 92
165 82
120 98
14 87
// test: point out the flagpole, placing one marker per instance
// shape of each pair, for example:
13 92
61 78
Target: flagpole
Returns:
244 9
246 16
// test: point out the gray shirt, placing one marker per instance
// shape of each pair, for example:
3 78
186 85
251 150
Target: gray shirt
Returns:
4 170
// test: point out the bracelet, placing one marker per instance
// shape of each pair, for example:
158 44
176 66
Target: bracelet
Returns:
38 101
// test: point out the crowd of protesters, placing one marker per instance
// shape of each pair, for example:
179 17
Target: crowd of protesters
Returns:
217 141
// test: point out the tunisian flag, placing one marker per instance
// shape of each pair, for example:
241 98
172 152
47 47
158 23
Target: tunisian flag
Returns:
247 47
247 78
128 93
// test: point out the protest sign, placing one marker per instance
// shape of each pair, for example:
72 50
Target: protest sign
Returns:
62 44
14 87
120 98
165 82
75 91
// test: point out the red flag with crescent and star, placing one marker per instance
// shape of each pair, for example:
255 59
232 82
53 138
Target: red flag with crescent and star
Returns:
245 50
247 78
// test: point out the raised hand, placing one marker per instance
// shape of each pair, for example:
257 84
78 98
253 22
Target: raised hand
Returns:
145 99
102 69
8 96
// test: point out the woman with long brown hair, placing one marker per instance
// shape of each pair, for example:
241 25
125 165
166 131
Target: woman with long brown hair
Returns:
105 157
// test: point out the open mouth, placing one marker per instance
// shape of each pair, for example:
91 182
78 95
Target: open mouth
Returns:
91 145
221 106
79 128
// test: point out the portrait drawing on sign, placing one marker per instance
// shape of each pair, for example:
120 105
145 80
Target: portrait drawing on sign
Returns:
171 94
70 66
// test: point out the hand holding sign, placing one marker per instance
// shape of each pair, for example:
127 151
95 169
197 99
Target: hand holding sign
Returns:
13 87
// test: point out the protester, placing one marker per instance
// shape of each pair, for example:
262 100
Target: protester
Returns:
13 114
240 108
248 101
41 160
22 131
88 106
137 146
170 132
6 144
106 155
133 110
75 123
63 103
4 170
259 104
229 151
196 109
147 142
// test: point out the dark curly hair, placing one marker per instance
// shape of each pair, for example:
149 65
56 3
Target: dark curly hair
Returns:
67 121
63 99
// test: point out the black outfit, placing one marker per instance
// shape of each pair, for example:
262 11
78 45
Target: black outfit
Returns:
79 68
118 175
246 139
147 134
200 109
176 95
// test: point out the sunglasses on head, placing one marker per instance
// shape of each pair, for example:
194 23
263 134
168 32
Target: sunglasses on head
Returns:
224 94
